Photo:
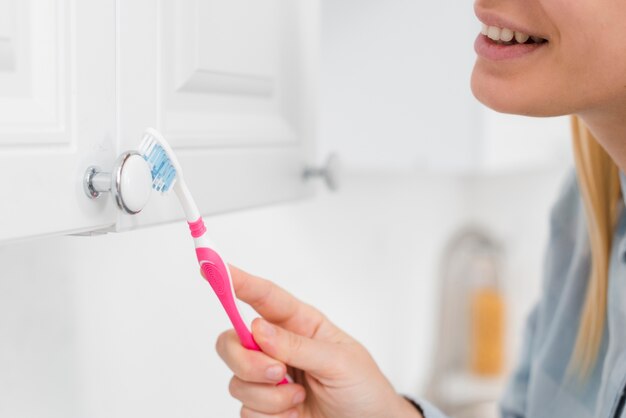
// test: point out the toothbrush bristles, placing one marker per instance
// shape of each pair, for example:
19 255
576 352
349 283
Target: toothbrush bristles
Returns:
163 171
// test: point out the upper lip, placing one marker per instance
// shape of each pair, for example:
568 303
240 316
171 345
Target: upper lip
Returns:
492 19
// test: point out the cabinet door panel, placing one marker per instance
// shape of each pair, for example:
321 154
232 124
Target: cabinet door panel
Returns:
233 92
57 98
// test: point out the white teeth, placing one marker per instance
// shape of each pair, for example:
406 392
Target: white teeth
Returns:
521 38
494 33
507 35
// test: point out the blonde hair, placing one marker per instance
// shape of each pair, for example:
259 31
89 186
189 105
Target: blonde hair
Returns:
598 180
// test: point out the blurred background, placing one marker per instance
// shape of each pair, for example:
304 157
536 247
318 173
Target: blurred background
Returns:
429 253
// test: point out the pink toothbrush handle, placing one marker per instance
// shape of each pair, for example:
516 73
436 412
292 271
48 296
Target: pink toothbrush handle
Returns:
216 273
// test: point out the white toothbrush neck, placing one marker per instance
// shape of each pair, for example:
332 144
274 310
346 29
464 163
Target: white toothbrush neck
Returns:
186 200
204 242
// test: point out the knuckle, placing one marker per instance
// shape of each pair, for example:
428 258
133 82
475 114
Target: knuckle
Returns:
314 312
246 412
341 361
361 355
294 344
277 399
220 343
245 371
289 413
344 359
233 387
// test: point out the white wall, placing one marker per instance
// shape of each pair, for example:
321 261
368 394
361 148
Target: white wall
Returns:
395 83
516 143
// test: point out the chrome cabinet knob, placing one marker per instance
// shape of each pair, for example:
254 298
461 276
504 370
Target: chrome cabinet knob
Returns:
130 182
329 172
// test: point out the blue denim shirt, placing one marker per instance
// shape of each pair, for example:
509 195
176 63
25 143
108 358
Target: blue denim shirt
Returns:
539 387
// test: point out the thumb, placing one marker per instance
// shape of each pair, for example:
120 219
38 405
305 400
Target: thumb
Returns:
314 356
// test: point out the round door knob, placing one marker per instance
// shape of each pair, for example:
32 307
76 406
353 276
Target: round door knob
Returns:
329 172
130 182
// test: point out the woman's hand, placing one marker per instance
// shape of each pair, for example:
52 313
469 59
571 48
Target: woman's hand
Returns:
334 376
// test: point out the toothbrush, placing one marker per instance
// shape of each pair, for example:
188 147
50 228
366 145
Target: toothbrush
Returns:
167 174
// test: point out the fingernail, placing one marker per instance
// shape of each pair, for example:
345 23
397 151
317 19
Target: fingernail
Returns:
298 398
274 373
294 414
267 329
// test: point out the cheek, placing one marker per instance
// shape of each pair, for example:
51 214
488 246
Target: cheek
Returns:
592 56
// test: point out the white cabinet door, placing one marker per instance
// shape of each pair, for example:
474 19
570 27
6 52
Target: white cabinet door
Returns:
57 114
230 84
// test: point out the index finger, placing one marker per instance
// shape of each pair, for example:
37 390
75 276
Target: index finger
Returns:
276 304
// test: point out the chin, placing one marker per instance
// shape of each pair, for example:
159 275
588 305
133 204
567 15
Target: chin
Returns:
514 96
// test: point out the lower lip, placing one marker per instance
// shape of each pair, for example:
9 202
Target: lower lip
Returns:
486 48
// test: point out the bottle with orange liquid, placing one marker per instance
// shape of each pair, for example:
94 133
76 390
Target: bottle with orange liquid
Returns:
487 317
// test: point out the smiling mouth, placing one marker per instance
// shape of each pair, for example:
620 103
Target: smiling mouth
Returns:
504 36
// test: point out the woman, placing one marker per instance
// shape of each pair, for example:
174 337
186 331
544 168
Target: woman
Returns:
537 58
